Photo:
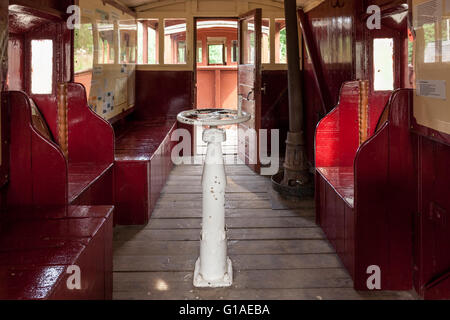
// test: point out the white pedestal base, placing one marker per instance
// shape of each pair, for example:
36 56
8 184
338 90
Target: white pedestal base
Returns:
225 281
213 268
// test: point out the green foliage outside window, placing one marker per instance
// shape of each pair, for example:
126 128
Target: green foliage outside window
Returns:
283 45
151 46
181 52
215 54
199 55
410 52
84 48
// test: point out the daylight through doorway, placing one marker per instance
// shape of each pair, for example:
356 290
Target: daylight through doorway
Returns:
216 74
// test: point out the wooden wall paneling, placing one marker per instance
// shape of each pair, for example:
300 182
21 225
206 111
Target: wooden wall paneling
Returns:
4 155
335 34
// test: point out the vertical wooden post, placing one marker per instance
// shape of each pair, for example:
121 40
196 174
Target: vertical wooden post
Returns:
273 48
363 110
161 39
217 88
116 43
145 42
295 165
63 132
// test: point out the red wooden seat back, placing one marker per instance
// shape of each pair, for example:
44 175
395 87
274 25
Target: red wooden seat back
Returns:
90 137
346 127
40 171
337 135
38 168
385 195
375 229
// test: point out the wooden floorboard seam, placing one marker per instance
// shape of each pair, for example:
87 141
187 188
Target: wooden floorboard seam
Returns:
276 254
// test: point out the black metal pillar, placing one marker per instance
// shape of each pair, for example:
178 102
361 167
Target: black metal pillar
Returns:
295 165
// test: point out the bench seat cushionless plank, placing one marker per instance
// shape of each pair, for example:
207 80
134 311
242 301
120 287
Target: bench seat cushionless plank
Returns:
143 163
38 245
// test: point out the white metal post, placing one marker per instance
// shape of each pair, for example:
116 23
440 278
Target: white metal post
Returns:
213 268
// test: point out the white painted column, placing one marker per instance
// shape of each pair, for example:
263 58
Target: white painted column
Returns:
213 268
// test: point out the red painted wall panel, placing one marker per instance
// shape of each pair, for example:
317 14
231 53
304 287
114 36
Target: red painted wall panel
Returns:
275 105
228 90
432 259
333 30
216 84
85 78
206 92
162 93
4 166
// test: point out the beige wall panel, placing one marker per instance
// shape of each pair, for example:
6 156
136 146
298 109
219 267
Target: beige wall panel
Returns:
112 89
176 7
265 8
433 112
225 6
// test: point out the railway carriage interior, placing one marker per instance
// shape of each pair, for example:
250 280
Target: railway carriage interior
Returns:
329 120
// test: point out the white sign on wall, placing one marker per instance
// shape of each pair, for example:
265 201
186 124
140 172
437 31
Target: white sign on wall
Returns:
432 89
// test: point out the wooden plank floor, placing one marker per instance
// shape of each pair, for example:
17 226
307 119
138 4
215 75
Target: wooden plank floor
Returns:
276 254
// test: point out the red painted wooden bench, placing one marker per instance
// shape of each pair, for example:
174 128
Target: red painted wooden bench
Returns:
365 192
48 172
43 172
38 245
143 163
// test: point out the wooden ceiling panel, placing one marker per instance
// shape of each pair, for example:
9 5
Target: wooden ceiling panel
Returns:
302 3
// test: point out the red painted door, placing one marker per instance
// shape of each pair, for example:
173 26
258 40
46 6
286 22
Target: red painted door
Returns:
249 86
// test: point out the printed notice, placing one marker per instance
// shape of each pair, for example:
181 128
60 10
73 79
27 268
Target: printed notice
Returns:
98 70
432 88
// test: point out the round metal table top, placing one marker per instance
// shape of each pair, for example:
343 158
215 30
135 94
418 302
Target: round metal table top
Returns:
212 117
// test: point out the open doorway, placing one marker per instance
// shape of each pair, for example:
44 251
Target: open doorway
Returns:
216 54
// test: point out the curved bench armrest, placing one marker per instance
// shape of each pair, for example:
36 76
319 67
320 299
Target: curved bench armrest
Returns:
90 138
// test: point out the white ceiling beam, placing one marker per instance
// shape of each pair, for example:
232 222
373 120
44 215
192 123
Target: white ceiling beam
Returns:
307 5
